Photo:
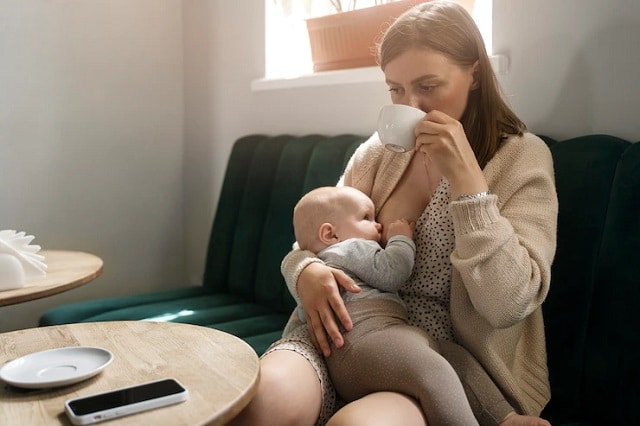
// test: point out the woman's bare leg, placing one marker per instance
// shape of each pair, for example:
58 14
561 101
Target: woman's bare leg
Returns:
522 420
289 392
380 409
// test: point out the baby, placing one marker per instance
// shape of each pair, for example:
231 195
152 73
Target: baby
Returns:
382 352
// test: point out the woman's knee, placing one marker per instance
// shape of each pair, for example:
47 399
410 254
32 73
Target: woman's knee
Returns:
380 409
288 392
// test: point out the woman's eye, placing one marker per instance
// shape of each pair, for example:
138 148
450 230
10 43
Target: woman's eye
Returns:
395 90
429 88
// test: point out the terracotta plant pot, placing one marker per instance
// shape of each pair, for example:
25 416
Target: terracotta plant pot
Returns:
348 39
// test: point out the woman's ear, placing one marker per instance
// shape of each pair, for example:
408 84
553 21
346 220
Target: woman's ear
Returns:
326 234
475 74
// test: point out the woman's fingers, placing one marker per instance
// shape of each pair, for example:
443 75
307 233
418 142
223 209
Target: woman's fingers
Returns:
337 304
434 123
438 128
324 329
345 281
443 140
318 334
436 116
323 304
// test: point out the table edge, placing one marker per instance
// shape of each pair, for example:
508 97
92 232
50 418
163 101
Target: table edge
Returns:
23 295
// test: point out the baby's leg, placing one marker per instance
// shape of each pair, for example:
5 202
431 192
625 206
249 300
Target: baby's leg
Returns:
385 354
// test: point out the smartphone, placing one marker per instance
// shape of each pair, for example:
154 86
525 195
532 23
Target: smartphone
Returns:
124 401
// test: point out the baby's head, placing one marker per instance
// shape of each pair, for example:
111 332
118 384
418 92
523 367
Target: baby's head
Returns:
330 214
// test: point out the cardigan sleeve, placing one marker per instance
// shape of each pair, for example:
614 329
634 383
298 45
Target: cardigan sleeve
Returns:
293 264
505 243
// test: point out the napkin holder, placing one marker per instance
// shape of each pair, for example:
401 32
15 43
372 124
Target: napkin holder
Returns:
19 260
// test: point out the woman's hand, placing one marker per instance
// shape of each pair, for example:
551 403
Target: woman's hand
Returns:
320 297
443 140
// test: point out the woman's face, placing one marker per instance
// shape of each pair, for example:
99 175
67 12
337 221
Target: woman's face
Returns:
428 80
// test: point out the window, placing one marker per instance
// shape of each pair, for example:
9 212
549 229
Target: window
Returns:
287 44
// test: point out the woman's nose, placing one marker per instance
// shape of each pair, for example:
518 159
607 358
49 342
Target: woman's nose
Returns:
414 101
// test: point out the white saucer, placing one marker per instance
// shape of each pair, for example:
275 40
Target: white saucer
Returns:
55 367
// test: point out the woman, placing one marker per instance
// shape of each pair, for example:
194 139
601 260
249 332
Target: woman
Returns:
481 191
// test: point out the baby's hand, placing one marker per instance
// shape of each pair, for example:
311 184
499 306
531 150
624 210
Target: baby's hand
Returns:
401 227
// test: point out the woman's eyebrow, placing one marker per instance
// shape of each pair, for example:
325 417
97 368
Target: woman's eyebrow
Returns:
415 80
423 78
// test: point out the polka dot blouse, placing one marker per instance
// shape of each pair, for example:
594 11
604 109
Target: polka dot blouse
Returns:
426 293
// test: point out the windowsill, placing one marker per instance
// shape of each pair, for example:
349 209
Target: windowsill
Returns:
348 76
324 78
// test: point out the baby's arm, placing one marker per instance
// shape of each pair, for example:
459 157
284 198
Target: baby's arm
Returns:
393 265
383 268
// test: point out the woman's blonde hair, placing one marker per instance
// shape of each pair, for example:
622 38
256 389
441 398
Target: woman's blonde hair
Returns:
447 28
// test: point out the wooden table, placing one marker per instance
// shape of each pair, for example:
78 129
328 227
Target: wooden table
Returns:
219 370
65 270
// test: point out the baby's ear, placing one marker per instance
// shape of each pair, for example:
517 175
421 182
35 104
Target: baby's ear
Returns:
326 234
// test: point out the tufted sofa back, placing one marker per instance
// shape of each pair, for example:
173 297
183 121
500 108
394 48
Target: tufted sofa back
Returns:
591 312
253 230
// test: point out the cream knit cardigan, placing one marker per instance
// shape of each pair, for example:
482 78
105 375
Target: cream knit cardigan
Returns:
504 247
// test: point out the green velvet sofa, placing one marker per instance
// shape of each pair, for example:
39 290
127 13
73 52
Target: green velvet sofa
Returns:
591 314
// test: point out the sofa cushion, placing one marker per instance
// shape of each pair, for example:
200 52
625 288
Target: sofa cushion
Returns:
612 347
253 225
584 169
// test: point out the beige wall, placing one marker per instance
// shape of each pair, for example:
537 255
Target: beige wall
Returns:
91 138
574 64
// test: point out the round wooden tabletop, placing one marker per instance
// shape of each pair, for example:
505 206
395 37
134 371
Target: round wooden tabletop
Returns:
219 370
65 270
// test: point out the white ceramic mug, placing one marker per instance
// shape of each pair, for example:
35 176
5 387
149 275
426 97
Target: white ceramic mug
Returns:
396 124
